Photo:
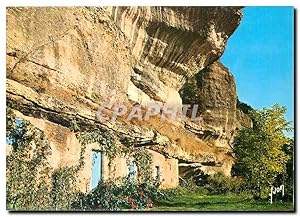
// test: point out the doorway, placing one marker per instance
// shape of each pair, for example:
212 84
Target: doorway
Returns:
96 168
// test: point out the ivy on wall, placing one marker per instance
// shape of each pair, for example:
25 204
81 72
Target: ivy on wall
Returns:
142 158
64 190
27 169
31 182
108 143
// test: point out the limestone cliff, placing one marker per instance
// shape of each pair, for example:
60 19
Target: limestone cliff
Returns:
62 63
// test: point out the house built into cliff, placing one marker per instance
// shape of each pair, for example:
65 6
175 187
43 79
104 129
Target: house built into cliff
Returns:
66 150
64 62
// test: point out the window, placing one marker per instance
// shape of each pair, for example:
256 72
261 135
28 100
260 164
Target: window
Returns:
19 132
156 174
132 170
96 168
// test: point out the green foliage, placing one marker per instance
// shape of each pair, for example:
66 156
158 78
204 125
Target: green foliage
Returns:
191 187
288 176
215 184
244 107
189 184
221 184
143 160
27 169
124 194
193 201
259 152
105 139
198 179
173 193
63 191
108 144
31 184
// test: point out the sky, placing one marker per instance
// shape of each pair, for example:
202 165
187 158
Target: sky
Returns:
260 56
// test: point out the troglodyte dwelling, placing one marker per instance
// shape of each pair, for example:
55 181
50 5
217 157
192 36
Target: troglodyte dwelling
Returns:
63 63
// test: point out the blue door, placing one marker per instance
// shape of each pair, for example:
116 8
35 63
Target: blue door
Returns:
96 168
132 171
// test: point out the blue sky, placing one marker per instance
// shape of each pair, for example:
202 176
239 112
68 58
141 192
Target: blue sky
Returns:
260 56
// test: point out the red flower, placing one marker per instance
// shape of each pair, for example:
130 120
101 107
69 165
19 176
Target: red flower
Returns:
133 206
146 207
130 199
141 193
99 206
149 201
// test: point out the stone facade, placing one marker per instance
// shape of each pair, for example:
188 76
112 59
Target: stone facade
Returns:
65 152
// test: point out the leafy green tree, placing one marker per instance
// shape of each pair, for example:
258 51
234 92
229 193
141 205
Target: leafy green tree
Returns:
259 151
288 177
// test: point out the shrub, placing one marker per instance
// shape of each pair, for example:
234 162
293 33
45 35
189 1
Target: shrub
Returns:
186 187
221 184
126 194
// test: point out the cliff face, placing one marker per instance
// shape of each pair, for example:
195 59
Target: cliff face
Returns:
214 90
62 63
171 44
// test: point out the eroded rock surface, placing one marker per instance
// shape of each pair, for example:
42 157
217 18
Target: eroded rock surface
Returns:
62 63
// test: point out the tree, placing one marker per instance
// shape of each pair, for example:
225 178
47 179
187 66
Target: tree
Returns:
259 151
288 177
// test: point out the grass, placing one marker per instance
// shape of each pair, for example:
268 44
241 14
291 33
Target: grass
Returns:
196 202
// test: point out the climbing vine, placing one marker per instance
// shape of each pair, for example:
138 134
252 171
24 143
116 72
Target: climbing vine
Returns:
64 190
144 162
108 143
105 140
32 184
27 169
142 159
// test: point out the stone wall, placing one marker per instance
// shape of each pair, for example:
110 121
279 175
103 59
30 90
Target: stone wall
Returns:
65 152
168 168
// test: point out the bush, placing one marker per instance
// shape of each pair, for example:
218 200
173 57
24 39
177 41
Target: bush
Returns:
186 187
125 194
259 150
221 184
